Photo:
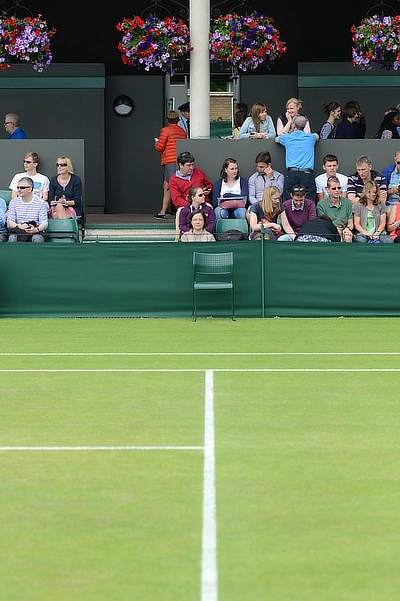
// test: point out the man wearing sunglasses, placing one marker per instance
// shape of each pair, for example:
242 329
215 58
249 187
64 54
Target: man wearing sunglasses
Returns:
337 208
27 214
392 177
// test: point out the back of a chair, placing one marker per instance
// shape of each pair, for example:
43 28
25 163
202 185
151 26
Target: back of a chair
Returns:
6 196
62 229
224 225
213 263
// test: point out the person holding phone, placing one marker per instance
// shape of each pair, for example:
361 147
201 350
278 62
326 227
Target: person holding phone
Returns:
27 214
65 192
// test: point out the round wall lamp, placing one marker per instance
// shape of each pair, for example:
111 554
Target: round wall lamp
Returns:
123 105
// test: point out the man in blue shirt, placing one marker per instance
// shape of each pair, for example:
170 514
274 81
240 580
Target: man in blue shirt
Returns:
12 127
299 158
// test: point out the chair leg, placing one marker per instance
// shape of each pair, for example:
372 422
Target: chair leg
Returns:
233 305
194 306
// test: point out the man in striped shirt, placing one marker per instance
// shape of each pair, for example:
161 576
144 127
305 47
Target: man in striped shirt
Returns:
27 214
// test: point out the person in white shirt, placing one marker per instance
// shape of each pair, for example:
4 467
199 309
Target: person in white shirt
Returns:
330 165
184 119
41 182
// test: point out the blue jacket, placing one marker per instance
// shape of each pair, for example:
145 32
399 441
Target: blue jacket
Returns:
387 172
216 192
18 134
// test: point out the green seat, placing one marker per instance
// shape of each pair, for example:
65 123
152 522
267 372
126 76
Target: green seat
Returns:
6 195
224 225
62 230
212 271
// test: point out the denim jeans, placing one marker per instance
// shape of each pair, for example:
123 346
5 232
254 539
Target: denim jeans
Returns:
221 213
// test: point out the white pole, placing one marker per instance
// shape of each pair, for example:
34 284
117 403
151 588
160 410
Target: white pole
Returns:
199 23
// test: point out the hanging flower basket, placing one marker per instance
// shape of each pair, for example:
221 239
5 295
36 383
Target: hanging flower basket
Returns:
376 41
244 43
153 42
25 40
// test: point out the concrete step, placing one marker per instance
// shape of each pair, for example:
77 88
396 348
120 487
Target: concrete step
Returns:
164 232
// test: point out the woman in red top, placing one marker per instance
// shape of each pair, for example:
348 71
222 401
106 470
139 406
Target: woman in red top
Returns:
166 144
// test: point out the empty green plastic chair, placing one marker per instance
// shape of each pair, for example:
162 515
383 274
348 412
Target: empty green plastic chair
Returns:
213 271
62 230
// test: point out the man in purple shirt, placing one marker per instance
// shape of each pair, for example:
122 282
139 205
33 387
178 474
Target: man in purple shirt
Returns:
296 211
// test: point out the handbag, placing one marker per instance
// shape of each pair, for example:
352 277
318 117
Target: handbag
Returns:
233 203
22 236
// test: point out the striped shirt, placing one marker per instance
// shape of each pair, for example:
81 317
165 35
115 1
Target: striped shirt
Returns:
21 212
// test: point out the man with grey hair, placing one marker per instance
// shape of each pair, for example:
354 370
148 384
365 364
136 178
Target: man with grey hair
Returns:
13 128
27 214
300 156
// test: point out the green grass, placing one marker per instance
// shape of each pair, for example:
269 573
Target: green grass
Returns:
306 457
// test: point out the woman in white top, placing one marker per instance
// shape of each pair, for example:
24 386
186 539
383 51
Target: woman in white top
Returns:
258 125
197 233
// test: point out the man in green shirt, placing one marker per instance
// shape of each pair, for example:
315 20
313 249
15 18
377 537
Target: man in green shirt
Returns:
337 208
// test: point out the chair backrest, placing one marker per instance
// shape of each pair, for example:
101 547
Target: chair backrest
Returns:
223 225
6 195
62 230
213 263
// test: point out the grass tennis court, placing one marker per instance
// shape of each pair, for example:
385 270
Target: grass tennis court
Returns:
166 460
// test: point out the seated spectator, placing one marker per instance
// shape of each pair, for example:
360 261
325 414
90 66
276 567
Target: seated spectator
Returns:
330 164
345 130
320 229
238 119
227 189
197 231
264 215
65 193
295 212
337 208
392 179
393 222
332 112
258 125
194 203
187 176
285 123
370 216
388 127
3 220
27 214
41 182
364 174
264 176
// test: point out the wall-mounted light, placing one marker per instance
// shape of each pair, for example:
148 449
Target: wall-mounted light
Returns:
123 105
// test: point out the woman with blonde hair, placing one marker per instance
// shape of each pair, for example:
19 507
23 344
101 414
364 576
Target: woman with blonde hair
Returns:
65 192
285 123
258 125
370 216
265 214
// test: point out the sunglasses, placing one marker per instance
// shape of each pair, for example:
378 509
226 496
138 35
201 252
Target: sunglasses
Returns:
61 165
336 187
297 190
28 161
201 194
23 187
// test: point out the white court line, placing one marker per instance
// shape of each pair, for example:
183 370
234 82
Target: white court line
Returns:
209 577
191 354
195 370
87 448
